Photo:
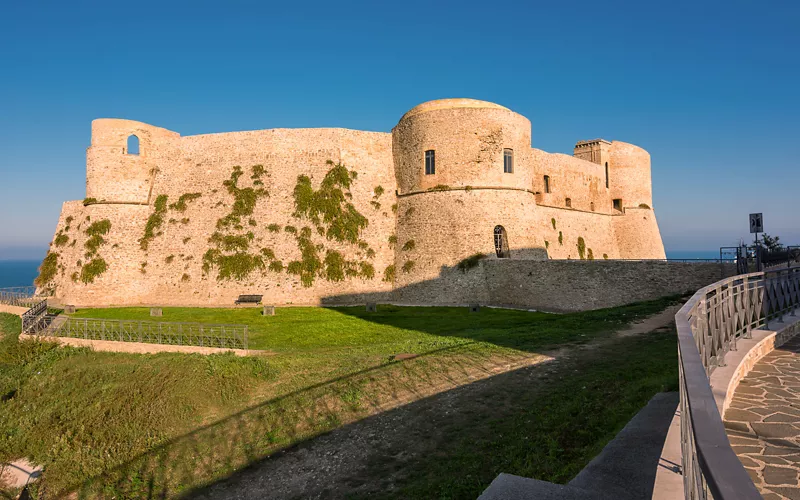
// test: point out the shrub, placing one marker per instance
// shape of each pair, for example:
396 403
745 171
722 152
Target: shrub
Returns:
185 277
274 228
644 205
605 256
230 242
89 201
394 208
560 238
393 239
589 255
472 261
375 205
409 245
47 271
408 266
581 247
93 269
378 191
61 239
96 240
389 274
258 171
268 253
546 244
290 229
439 187
553 222
252 222
276 266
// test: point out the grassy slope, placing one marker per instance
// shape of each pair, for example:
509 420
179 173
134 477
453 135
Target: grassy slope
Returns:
81 413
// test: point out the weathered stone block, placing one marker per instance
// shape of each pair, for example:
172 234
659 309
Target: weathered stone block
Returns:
268 311
155 311
372 307
474 308
69 309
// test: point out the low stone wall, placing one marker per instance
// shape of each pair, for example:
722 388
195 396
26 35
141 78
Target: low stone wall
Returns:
17 310
560 285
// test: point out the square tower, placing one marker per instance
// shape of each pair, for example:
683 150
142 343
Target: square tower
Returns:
595 151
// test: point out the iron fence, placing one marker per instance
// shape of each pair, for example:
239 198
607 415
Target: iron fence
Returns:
33 319
709 325
151 332
21 296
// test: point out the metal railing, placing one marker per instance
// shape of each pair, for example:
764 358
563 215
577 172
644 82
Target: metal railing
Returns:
709 325
21 296
151 332
33 320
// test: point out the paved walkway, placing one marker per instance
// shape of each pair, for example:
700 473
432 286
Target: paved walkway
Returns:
763 422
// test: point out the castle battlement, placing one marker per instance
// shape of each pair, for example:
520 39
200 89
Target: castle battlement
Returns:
301 214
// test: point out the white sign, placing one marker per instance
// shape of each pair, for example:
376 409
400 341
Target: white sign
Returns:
756 223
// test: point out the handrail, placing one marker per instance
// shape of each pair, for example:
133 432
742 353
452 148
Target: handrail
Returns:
709 325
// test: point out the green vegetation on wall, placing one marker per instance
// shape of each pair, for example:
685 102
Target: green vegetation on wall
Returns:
553 222
47 271
61 239
389 273
328 205
244 199
154 222
409 245
560 238
581 248
182 204
93 269
589 255
408 266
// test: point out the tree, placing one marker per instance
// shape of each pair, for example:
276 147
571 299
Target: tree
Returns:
771 243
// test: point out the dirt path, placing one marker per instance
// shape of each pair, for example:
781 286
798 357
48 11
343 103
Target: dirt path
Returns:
372 456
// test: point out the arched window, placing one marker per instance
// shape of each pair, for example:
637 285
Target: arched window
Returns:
606 175
501 242
133 145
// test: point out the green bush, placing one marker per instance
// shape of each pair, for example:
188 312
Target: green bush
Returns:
47 271
408 266
93 269
274 228
553 222
589 255
89 201
409 245
61 239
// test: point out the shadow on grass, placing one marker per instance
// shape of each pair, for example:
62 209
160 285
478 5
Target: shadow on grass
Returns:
545 421
250 435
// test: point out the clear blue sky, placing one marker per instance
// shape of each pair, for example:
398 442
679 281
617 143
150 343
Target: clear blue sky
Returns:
710 89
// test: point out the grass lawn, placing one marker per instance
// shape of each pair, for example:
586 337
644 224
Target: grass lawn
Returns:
127 425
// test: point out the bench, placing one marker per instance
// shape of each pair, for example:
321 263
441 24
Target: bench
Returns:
248 299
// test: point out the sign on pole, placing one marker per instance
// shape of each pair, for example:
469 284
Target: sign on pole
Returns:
756 223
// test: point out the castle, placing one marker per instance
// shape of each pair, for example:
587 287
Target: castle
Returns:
301 215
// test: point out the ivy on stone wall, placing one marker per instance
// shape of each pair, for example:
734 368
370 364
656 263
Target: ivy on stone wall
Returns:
244 199
560 238
92 269
409 245
154 222
589 255
182 204
581 248
47 271
389 274
61 239
605 256
96 265
408 266
553 222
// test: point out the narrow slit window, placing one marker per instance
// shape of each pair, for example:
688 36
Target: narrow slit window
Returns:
501 242
430 162
546 183
606 175
508 161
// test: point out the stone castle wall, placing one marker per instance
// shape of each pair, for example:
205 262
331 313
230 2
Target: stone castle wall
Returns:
416 224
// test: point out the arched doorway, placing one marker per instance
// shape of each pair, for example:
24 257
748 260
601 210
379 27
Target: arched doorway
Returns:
501 242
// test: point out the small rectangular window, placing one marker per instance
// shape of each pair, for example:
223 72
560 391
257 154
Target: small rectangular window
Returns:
508 161
430 162
568 202
618 204
546 183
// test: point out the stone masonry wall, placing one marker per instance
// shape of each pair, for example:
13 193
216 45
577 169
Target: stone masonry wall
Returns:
417 227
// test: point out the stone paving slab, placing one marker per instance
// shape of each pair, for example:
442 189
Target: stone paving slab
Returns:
763 422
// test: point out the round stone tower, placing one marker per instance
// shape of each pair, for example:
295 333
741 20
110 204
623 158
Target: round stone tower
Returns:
629 174
464 173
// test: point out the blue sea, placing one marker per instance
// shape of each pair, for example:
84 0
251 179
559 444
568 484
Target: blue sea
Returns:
18 272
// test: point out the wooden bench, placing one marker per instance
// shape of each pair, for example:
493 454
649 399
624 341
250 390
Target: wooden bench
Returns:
248 299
